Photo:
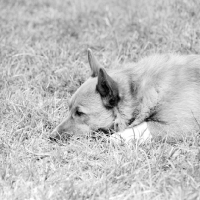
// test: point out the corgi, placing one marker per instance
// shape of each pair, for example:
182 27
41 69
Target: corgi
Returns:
161 90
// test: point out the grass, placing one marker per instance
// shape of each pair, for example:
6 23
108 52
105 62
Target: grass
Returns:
43 60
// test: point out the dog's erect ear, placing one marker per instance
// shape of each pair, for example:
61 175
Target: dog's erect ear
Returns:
108 89
94 64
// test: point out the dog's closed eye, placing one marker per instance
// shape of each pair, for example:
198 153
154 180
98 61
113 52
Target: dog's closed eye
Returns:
79 113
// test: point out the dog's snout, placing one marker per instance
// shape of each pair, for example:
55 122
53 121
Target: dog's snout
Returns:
61 132
59 136
54 136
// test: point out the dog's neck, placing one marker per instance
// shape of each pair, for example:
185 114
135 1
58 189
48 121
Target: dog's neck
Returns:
123 112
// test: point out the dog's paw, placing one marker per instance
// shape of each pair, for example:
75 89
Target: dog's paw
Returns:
139 134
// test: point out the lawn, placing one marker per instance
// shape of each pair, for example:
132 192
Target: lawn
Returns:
43 60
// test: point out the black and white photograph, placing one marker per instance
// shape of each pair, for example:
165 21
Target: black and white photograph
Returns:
99 99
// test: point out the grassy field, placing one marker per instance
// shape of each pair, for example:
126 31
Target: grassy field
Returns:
43 46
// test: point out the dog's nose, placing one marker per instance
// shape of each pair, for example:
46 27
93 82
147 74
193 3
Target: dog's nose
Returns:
61 132
56 136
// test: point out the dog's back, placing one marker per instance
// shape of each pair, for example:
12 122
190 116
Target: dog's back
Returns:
168 92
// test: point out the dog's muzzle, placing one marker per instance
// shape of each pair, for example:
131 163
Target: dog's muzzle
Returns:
55 136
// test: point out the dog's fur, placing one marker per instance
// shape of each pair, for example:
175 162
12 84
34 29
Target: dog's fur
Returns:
163 90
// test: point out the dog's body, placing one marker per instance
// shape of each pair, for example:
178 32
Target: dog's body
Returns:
163 90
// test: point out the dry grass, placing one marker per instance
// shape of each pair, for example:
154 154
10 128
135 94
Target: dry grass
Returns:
43 61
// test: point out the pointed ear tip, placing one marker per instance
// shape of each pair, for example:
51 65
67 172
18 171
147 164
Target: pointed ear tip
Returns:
102 71
89 51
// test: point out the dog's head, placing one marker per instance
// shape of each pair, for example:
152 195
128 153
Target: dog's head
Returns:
92 105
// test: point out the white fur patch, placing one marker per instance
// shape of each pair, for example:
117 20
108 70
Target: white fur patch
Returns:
140 134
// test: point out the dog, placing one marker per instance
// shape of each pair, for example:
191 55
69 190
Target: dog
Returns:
162 90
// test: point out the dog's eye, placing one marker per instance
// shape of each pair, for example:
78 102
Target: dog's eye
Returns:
79 113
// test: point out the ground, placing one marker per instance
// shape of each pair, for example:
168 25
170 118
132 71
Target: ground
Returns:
43 60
